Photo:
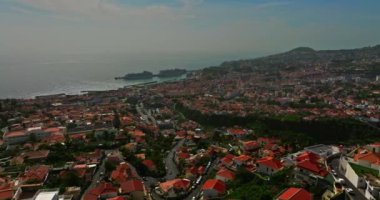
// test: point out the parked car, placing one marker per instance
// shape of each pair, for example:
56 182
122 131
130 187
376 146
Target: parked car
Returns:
350 191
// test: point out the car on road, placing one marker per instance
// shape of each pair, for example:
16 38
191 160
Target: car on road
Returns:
198 180
350 191
341 181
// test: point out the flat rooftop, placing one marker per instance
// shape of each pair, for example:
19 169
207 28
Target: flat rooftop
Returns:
46 195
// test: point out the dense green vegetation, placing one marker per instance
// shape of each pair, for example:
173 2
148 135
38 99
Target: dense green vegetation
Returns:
322 130
249 186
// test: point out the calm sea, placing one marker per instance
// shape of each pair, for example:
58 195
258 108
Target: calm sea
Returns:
29 77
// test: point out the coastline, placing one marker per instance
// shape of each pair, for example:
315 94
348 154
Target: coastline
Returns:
94 87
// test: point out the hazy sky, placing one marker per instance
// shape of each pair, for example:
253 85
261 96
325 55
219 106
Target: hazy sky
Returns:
32 28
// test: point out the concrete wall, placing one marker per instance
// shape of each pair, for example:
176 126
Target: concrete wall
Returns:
351 175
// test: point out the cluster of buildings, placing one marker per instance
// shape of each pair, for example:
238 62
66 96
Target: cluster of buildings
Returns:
310 94
102 145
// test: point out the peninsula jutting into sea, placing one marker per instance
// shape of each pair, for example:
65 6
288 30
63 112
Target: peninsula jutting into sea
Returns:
148 75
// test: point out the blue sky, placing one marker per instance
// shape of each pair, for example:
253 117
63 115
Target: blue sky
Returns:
179 27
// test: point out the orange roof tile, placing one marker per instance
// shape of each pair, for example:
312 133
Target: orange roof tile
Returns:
295 194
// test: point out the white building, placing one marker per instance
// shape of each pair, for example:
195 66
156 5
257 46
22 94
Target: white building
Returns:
46 195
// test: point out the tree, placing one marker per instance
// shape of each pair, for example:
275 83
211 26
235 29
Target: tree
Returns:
33 138
91 136
244 176
109 166
71 178
116 120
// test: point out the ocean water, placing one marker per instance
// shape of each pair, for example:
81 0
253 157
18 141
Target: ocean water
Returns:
33 76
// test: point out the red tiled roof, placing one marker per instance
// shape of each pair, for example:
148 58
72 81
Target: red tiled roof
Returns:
243 158
54 138
101 189
295 194
250 144
149 164
180 184
138 133
14 134
237 131
368 156
225 173
183 155
270 162
313 167
131 186
117 198
308 156
52 130
33 155
6 194
120 174
201 169
192 170
214 184
36 173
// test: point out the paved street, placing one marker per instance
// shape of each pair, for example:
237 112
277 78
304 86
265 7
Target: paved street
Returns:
197 190
96 177
171 167
358 195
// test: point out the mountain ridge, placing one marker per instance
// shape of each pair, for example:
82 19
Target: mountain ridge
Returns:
306 56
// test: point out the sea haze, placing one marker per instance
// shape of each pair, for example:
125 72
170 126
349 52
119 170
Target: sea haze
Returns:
25 77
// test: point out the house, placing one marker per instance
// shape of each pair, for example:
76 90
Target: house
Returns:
250 145
15 137
367 158
225 175
191 172
6 194
268 165
132 147
362 177
324 151
7 190
213 188
237 133
36 155
122 173
182 156
175 187
54 138
243 160
36 175
103 190
294 194
149 164
21 136
133 188
47 195
227 160
310 172
90 158
82 170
